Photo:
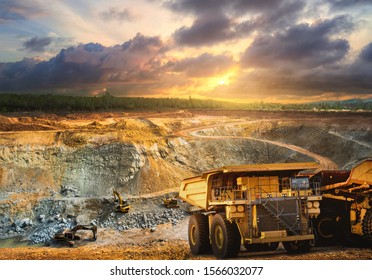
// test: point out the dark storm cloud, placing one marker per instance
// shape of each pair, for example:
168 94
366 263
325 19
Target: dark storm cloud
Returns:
349 3
13 10
201 66
234 6
307 60
86 64
206 30
195 6
341 78
302 46
280 16
222 20
366 54
36 44
353 78
119 14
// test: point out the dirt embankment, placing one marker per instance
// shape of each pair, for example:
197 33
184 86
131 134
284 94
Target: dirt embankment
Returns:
145 156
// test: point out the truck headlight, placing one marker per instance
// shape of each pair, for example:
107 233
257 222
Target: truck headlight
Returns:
240 208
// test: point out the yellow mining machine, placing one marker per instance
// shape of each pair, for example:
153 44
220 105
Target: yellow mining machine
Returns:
69 236
346 206
123 206
171 202
252 205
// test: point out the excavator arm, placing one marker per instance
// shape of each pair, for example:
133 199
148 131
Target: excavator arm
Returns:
123 206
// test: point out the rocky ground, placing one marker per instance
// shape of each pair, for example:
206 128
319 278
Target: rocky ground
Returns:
164 242
59 171
53 215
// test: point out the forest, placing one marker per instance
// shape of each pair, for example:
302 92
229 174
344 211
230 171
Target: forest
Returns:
107 102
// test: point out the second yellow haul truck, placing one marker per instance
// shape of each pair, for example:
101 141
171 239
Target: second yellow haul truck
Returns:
346 206
257 206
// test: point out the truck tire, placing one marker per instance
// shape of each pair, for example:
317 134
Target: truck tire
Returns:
296 247
199 234
326 228
225 237
367 227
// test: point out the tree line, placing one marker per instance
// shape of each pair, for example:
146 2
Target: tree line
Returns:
107 102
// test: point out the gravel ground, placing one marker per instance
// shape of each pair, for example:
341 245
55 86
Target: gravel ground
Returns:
164 242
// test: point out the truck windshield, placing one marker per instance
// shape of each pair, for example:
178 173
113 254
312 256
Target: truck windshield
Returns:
300 183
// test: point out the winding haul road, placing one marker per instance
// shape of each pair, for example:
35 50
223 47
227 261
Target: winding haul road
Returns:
324 162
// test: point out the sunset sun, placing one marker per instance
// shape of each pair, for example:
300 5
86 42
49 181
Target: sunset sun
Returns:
222 82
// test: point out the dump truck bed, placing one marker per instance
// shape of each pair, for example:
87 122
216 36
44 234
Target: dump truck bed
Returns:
359 175
195 190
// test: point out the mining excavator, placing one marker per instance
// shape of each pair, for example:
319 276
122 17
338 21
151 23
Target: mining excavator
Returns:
69 235
123 206
170 202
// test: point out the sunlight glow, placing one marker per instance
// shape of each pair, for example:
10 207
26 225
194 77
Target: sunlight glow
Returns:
225 80
222 82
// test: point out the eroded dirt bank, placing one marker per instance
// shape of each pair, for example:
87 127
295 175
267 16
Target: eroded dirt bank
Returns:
56 171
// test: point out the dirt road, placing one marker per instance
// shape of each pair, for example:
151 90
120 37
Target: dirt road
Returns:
324 162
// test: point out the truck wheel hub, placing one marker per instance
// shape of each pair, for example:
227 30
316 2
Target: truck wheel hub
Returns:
218 234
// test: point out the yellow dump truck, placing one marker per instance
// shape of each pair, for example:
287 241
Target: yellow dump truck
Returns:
346 206
257 206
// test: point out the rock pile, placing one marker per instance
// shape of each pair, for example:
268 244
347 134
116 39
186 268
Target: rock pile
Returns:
121 221
50 216
70 191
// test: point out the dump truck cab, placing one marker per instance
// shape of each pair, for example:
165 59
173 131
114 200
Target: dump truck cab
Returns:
257 206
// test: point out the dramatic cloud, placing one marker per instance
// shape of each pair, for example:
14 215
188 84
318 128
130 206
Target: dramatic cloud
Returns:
36 44
349 3
270 49
195 6
125 14
86 64
207 30
204 65
237 6
305 60
301 46
13 10
283 15
366 54
227 20
343 78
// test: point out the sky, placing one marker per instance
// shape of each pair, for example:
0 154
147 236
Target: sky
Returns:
286 51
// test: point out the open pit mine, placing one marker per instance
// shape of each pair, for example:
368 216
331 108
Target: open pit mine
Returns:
59 171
